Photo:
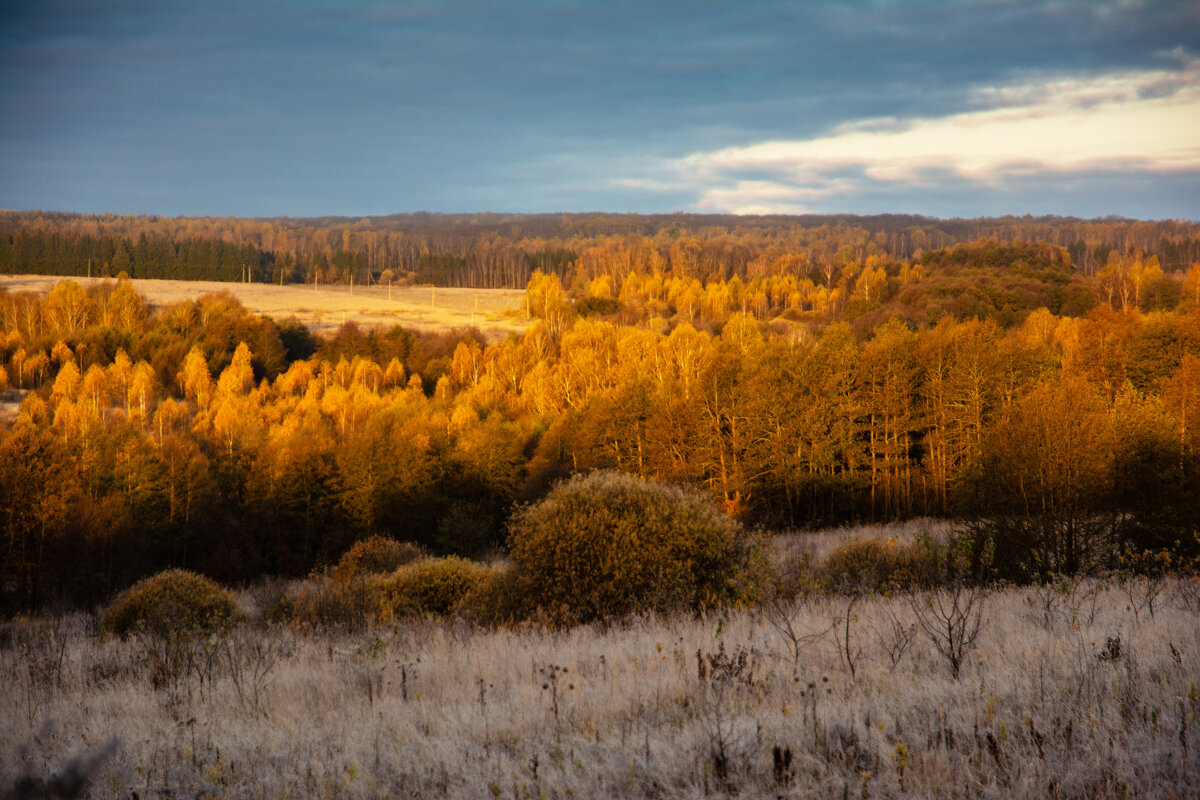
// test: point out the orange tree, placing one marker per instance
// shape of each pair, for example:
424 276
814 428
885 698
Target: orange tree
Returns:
1039 488
1070 477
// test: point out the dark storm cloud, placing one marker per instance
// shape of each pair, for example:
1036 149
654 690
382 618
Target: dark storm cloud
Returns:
313 108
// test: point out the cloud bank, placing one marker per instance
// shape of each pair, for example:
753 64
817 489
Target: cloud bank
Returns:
1135 122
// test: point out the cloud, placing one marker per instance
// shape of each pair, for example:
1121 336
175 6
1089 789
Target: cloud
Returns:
1120 122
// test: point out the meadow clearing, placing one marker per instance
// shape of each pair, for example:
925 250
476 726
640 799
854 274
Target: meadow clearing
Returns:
495 312
1077 690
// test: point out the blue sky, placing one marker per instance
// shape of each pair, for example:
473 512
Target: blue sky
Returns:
949 108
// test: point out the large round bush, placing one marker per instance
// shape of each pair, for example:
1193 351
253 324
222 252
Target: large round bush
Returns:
608 544
170 603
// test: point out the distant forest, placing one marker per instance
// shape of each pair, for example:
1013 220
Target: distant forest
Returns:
503 250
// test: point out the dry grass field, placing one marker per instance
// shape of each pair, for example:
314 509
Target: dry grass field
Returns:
1079 693
496 312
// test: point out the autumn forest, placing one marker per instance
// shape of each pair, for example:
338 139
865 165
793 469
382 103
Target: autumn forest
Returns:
1037 378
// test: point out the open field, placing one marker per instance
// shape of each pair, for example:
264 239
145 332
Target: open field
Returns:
496 312
1069 695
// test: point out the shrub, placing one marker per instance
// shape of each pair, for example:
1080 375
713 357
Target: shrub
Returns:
347 596
861 562
376 555
608 545
320 602
264 600
429 586
435 586
793 575
495 601
170 603
878 565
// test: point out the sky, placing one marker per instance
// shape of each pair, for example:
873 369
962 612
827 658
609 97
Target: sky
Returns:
948 108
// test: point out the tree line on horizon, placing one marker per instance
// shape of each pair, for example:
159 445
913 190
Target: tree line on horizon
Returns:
992 382
503 251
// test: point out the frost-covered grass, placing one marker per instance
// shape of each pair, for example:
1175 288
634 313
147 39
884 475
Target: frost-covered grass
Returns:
1065 695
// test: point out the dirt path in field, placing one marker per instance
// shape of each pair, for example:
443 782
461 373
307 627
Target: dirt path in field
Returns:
496 312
